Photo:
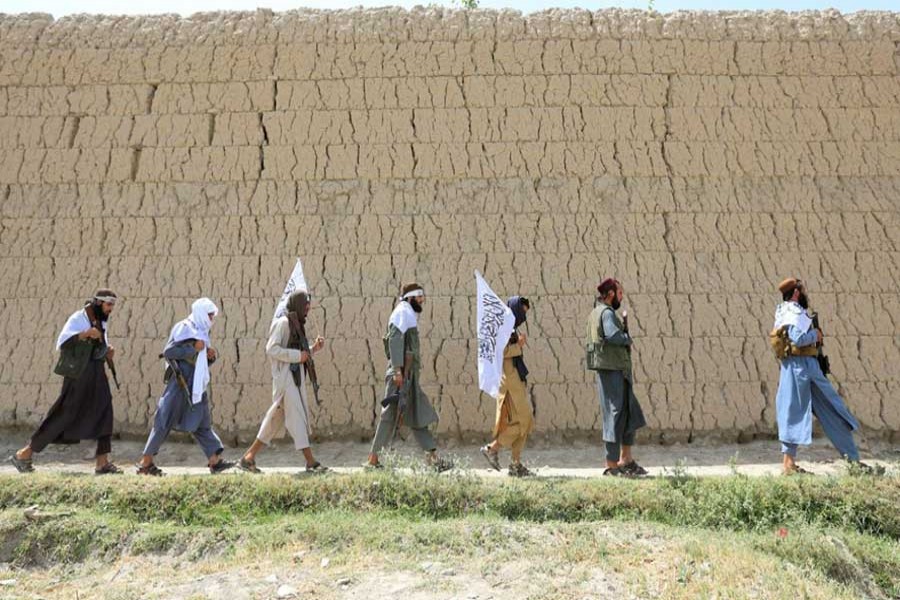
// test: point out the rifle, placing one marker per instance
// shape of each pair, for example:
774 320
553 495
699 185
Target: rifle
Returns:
310 368
824 362
106 357
399 397
179 378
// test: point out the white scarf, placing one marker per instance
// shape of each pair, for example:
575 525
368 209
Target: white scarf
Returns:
791 313
196 327
77 323
404 317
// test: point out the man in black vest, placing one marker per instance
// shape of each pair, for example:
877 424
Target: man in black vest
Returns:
84 408
609 355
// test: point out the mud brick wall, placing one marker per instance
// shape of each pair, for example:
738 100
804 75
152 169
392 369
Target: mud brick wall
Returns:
699 157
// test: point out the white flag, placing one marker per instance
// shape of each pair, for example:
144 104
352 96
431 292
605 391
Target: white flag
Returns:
495 324
297 282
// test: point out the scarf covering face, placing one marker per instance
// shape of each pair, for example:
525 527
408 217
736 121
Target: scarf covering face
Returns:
296 314
196 327
517 307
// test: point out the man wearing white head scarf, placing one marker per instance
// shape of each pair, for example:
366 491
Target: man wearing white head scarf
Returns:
83 410
405 401
184 405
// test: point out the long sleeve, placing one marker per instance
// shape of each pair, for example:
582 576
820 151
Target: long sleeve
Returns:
181 351
275 348
512 350
611 331
396 347
801 339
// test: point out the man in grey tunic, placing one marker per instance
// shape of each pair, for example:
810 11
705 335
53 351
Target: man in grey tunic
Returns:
609 354
404 400
185 402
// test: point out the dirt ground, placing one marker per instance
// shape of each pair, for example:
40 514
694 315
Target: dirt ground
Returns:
581 458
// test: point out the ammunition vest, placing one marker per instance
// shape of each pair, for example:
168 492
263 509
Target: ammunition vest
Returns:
600 355
74 357
783 348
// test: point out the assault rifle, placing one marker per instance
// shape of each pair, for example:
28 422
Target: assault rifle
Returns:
399 397
310 368
180 380
106 357
824 363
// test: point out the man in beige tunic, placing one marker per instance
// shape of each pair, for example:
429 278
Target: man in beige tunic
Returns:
290 370
514 418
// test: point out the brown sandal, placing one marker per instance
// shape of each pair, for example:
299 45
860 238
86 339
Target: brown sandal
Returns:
152 470
796 470
108 469
248 465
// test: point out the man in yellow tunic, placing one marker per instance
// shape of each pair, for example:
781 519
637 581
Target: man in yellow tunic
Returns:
514 417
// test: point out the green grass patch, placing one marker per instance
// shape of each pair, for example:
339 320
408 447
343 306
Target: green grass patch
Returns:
865 505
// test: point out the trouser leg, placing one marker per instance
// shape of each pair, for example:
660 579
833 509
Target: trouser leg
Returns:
272 424
835 427
155 440
517 446
104 445
789 449
425 439
385 429
209 441
613 451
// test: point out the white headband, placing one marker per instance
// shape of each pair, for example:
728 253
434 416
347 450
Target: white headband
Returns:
413 294
110 299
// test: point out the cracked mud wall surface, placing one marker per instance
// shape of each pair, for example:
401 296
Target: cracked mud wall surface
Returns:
698 157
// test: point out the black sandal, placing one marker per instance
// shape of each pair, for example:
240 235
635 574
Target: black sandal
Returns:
22 465
796 470
317 468
152 470
221 466
519 470
441 464
108 469
634 469
614 472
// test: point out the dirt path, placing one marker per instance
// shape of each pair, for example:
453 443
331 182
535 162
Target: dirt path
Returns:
577 459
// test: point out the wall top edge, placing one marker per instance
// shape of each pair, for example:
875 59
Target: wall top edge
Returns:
391 25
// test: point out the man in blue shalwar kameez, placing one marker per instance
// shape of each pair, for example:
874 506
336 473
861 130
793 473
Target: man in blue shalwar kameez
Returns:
803 389
184 405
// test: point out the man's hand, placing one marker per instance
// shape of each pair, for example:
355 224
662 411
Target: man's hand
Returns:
819 336
398 378
111 353
522 339
211 354
93 334
304 356
199 345
318 344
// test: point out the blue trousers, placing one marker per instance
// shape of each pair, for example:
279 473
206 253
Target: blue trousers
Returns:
835 427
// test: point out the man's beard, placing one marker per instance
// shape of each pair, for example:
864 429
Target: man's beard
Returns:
616 304
415 305
803 300
98 312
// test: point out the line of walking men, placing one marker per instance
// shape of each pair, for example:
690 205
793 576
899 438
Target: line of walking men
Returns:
84 409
